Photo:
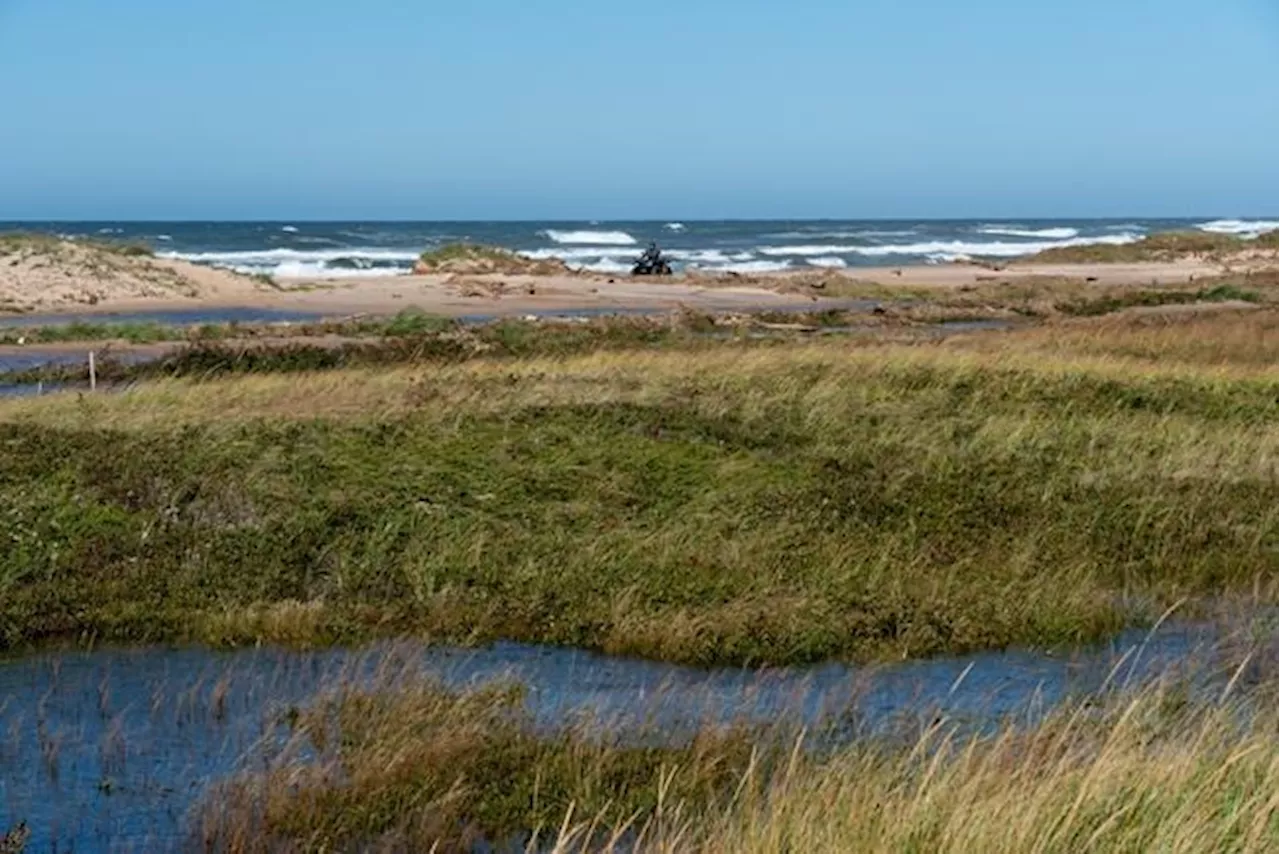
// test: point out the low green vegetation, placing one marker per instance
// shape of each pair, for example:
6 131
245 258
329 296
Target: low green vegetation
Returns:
1108 303
408 322
465 252
778 503
407 338
134 333
1267 240
1162 246
480 259
35 242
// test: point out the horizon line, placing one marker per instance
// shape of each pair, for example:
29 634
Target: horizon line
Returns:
668 219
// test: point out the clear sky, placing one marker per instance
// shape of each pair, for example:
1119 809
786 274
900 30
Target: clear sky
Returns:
513 109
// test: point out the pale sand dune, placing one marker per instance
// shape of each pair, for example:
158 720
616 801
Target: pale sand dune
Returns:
43 274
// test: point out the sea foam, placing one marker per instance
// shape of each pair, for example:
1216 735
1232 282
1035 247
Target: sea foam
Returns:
1015 231
1242 227
313 263
751 267
707 256
614 238
579 253
604 265
991 249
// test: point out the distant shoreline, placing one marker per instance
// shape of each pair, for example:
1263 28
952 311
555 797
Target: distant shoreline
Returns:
42 275
501 294
339 250
510 295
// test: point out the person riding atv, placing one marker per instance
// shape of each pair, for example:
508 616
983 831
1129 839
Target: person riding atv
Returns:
651 263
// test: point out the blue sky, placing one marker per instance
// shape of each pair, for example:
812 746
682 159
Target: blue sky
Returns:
596 110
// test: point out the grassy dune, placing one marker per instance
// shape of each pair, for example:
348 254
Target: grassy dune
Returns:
1162 246
479 258
15 242
413 767
776 503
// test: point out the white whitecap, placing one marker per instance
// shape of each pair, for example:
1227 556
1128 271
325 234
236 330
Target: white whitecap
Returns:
579 253
277 256
163 237
313 263
1016 231
609 238
674 226
825 261
758 266
1240 227
289 228
838 235
707 256
946 257
991 249
807 249
604 265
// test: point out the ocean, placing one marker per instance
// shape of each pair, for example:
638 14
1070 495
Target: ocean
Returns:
343 249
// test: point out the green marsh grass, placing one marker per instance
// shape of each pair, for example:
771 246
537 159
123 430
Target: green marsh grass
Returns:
769 504
77 331
1109 303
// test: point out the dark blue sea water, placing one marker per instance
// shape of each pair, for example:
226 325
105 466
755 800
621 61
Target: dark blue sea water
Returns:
332 249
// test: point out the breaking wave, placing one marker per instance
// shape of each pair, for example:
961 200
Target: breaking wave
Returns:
826 261
608 238
992 249
298 263
757 266
1241 227
839 235
1014 231
604 265
707 256
579 253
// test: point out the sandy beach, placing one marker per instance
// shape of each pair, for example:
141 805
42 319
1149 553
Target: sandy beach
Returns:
68 278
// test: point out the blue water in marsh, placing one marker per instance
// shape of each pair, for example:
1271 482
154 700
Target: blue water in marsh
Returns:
311 249
111 750
164 317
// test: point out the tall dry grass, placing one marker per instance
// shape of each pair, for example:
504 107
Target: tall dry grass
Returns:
1167 767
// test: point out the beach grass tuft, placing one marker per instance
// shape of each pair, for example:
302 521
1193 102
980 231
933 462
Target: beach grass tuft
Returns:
479 259
415 766
38 242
